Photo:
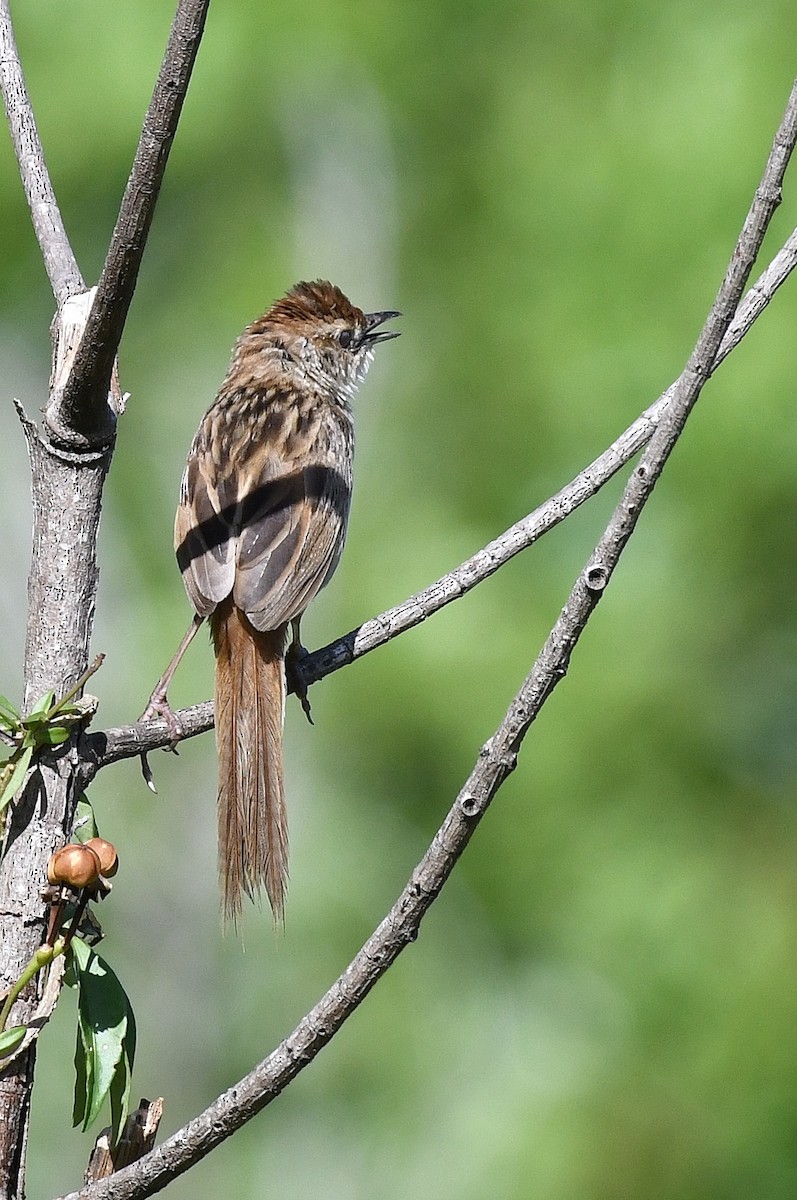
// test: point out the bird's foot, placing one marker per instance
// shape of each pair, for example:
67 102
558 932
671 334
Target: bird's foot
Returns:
294 674
159 707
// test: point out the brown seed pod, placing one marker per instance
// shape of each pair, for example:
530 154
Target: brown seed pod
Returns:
78 866
106 853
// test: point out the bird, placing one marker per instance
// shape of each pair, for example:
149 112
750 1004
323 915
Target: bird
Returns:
260 527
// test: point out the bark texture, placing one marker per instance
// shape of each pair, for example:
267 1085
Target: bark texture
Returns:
61 592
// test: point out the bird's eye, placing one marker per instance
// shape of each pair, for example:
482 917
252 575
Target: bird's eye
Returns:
344 337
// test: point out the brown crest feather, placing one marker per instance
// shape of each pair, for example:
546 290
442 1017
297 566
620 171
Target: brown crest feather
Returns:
316 301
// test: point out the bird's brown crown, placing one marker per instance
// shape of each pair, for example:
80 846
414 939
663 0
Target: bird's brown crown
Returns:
312 337
316 301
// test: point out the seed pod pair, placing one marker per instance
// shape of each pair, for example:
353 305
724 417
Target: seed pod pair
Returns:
80 865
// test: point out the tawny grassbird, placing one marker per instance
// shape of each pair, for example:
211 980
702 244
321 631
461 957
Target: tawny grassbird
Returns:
264 503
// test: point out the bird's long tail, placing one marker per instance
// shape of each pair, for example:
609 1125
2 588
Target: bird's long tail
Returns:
250 707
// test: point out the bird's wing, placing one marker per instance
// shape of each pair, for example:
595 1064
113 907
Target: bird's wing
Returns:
204 535
272 540
291 535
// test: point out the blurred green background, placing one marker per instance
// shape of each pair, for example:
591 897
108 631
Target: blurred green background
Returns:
603 1002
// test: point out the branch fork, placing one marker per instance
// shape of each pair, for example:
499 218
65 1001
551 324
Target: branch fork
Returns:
70 457
67 331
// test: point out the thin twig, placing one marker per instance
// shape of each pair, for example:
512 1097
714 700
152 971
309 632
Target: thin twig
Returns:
81 412
59 261
128 741
495 762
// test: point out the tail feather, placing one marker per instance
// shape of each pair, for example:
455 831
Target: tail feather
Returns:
250 707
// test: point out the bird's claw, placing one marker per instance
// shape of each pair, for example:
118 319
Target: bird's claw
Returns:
159 707
293 670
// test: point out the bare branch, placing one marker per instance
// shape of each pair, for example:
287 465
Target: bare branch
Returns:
67 493
129 741
496 760
80 415
100 749
59 261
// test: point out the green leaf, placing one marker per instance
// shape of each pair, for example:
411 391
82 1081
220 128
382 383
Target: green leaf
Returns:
85 826
84 1066
9 715
11 1039
51 735
42 706
11 780
119 1096
70 974
106 1040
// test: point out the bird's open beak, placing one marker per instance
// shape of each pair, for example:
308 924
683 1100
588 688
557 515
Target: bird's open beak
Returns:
372 332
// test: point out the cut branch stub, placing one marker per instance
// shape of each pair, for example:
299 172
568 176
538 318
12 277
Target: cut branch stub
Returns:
65 431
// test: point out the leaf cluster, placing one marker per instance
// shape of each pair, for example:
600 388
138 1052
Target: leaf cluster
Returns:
48 724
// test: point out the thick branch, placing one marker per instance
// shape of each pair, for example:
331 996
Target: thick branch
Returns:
59 261
495 762
80 415
61 589
67 493
128 741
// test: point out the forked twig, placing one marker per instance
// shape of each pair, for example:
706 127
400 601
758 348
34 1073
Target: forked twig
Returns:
82 407
68 470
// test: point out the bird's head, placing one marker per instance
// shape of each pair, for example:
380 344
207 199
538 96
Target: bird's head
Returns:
321 336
